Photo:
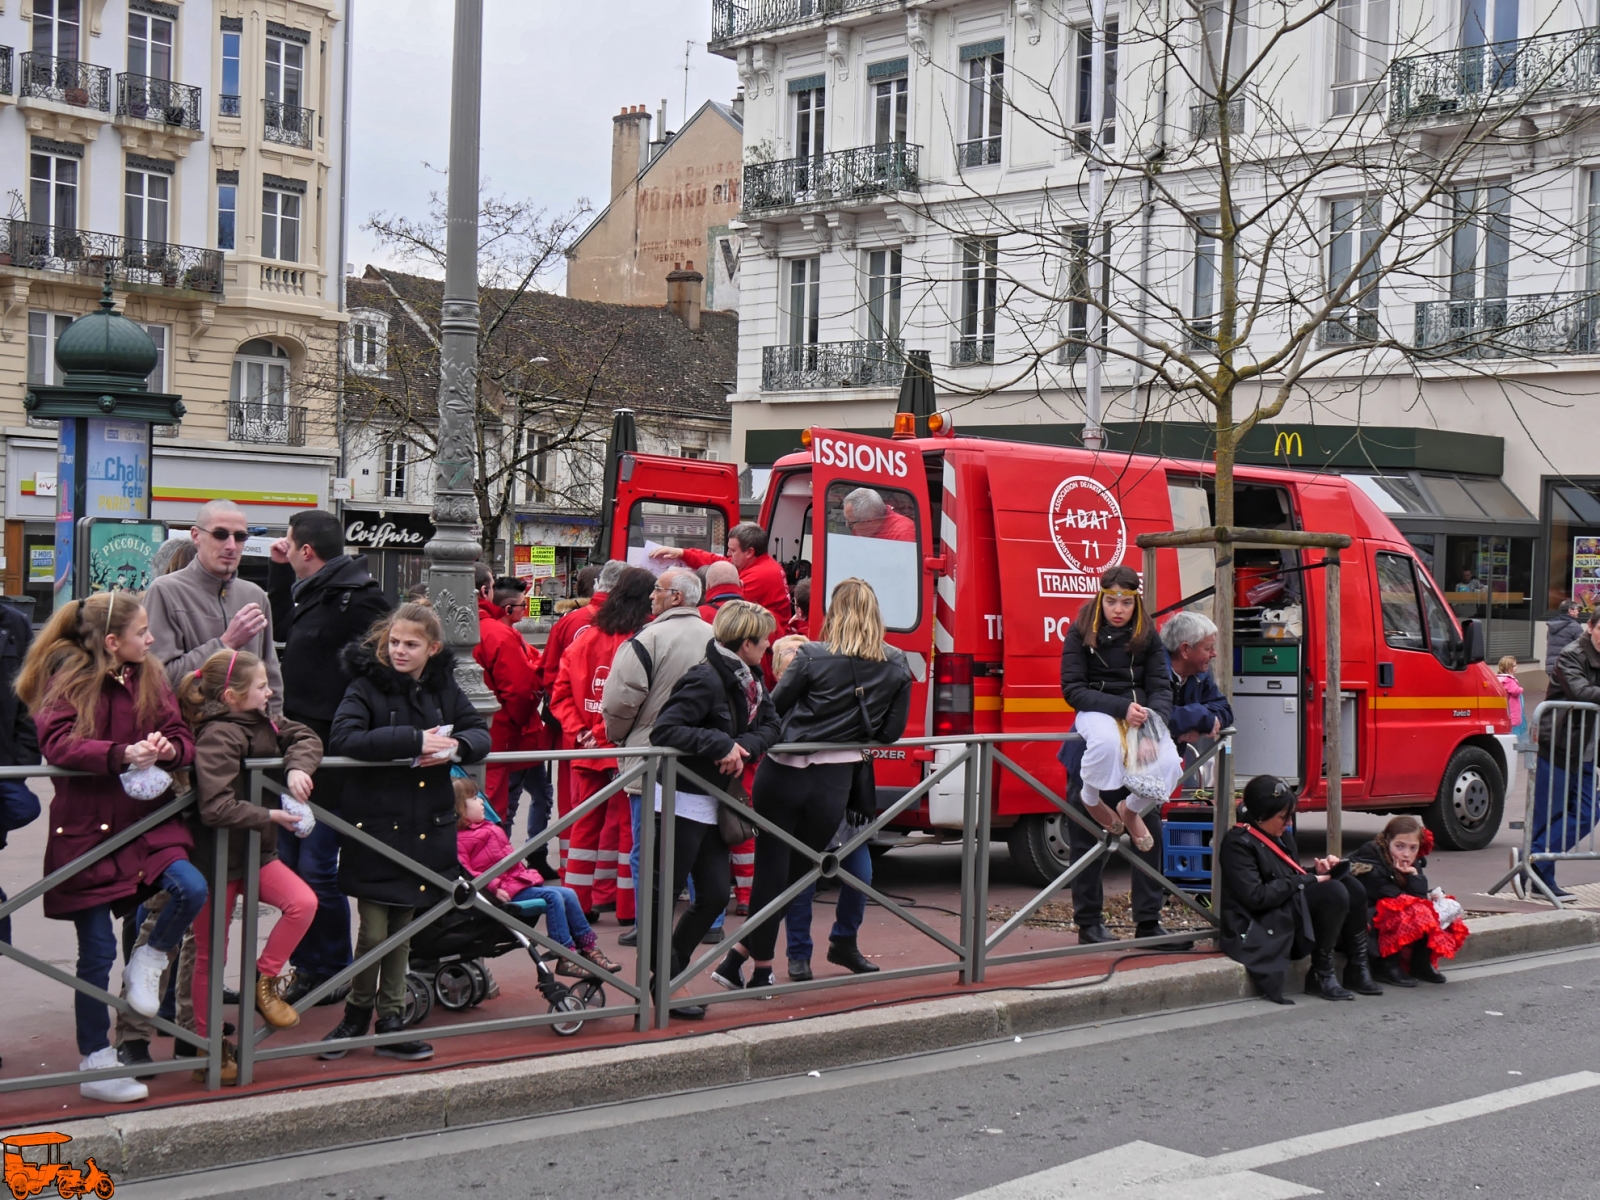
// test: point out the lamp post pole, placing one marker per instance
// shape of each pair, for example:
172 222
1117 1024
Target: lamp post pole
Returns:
455 548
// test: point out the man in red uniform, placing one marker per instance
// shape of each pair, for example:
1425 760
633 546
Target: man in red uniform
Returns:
722 585
760 574
868 516
509 673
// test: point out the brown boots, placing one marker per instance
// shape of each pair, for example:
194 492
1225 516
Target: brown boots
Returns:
271 1005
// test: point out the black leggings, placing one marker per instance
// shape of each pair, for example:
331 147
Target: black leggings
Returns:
699 851
1338 911
807 802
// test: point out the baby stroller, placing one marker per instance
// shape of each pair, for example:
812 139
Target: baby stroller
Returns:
447 963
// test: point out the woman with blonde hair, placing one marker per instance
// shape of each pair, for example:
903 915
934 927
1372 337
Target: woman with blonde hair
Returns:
848 688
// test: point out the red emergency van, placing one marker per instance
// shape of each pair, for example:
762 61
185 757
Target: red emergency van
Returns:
982 551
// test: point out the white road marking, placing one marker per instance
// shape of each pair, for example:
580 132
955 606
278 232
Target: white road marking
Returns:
1152 1172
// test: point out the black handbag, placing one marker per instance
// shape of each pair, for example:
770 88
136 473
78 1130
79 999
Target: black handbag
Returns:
862 806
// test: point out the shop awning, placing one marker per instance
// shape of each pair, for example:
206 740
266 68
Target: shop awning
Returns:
1469 498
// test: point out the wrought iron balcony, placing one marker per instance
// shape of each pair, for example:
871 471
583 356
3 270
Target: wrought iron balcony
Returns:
151 99
980 152
227 106
1458 83
735 18
1205 120
1349 327
287 123
77 252
1511 326
838 176
66 81
972 350
6 87
832 365
265 423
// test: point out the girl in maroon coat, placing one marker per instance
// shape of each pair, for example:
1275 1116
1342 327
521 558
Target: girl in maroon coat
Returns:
103 707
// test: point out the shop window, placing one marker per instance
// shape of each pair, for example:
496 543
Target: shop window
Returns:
872 535
1574 568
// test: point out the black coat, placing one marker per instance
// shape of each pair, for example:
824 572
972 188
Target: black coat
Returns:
707 714
1562 631
316 621
1574 675
1110 676
19 741
1265 920
381 719
1369 868
816 698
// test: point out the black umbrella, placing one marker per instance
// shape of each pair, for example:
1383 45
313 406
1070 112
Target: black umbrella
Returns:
916 390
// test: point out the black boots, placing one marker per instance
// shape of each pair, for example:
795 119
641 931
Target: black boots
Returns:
1389 971
843 952
354 1025
1422 964
405 1051
1322 980
1358 968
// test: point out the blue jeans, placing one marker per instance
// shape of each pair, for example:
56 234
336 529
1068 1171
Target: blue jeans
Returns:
97 950
325 949
1563 812
18 807
536 779
563 915
849 912
186 896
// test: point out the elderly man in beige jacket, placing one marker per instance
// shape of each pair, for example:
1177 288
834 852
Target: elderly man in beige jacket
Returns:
644 672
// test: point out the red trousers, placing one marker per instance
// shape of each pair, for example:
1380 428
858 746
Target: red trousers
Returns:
599 845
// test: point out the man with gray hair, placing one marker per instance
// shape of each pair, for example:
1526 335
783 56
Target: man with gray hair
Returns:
1199 709
644 672
868 516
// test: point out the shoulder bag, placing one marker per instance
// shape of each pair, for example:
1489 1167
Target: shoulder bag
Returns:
862 806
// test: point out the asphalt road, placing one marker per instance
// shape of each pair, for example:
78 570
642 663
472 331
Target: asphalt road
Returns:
1212 1094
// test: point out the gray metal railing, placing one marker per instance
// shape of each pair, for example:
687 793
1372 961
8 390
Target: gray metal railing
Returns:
7 88
1349 326
816 365
66 81
971 350
1510 326
1456 84
838 176
148 98
286 124
644 993
736 18
1559 822
978 152
131 260
1205 120
276 425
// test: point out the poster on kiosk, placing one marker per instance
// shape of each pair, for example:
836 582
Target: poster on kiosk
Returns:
105 538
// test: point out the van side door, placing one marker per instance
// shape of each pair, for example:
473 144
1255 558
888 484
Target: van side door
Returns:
672 502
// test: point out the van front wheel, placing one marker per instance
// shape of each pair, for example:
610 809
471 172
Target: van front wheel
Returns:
1038 845
1471 801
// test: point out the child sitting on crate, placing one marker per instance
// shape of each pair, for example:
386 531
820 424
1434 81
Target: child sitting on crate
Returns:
1416 925
480 843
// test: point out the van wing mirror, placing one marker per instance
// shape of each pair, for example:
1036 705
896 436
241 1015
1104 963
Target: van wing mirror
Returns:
1473 645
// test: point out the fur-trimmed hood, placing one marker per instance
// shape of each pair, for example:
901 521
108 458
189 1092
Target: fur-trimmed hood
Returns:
360 661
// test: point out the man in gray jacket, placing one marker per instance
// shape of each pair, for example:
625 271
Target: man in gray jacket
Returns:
644 672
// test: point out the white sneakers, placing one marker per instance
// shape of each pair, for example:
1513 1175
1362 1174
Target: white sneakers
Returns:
112 1091
143 976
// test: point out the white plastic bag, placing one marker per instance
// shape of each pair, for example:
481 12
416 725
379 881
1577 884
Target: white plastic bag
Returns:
146 783
1448 908
1145 755
306 822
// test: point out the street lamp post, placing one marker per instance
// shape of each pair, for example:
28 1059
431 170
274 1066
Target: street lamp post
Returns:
455 547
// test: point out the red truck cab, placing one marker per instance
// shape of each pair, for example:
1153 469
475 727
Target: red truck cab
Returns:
982 551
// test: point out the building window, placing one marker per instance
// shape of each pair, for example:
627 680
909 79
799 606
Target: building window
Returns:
156 381
890 104
368 342
805 288
56 28
1080 282
883 295
145 196
1353 228
983 67
280 225
227 214
44 331
394 470
1205 297
695 452
1480 243
1593 264
258 391
1491 25
1227 29
228 97
810 100
980 286
535 457
1360 54
53 192
285 71
1083 92
149 46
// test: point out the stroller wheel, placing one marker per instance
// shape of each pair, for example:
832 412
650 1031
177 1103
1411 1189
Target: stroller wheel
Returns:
455 987
569 1004
480 982
590 992
419 1000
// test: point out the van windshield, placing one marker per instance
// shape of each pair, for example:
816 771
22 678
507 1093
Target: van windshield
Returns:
873 534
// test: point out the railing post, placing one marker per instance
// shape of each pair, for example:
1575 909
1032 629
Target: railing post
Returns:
660 952
983 812
1332 757
645 897
1221 817
972 849
247 940
220 917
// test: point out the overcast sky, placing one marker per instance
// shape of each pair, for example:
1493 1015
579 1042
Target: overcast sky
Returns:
554 74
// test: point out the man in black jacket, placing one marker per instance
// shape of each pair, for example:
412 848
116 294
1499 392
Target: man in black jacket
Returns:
19 744
1562 630
322 600
1563 785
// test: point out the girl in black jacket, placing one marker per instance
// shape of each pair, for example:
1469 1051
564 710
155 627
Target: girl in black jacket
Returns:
1116 676
1400 904
1275 910
403 703
720 715
848 688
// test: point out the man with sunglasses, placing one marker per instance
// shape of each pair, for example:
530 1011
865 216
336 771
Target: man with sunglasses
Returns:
206 607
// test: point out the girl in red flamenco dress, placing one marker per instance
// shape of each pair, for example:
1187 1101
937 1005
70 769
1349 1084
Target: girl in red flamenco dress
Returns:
1415 926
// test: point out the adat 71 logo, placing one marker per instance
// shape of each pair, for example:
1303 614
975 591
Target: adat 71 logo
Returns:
1086 525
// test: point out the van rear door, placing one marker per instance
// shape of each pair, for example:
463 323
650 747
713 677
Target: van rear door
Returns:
673 502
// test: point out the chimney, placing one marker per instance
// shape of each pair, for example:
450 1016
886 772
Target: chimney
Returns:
630 133
662 134
685 286
738 105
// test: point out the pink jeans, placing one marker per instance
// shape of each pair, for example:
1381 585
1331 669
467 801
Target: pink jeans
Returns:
284 891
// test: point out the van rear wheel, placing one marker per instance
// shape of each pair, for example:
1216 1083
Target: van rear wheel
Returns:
1038 845
1471 801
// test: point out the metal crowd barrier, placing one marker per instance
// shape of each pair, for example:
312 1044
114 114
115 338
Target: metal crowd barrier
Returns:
1560 815
647 990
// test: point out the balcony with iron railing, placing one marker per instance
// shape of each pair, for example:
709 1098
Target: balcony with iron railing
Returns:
35 247
287 124
817 365
1456 85
1350 326
146 98
978 152
1531 326
227 106
65 81
264 423
7 88
731 19
1205 120
837 177
972 350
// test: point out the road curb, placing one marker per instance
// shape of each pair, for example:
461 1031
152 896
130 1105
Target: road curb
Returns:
143 1144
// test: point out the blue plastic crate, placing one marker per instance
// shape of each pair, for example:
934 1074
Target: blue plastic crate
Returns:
1186 851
